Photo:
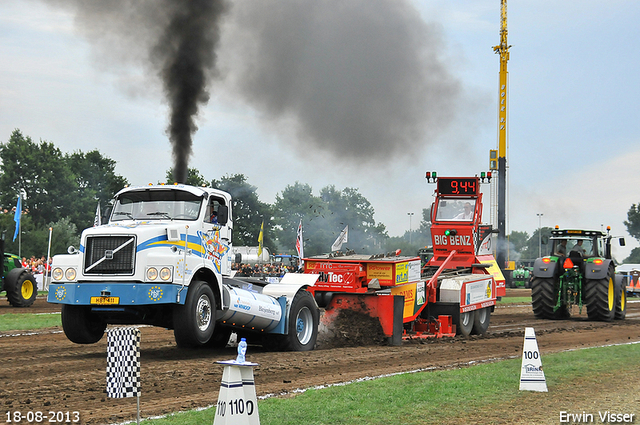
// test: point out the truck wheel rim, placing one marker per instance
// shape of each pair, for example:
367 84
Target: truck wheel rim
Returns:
27 289
203 313
303 325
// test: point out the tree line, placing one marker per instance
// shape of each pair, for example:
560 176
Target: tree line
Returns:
61 191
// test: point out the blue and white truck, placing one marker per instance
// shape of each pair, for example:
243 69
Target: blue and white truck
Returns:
164 258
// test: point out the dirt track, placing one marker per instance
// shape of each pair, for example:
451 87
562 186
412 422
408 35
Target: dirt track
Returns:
43 371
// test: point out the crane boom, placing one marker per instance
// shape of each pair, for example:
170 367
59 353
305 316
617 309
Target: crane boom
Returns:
503 50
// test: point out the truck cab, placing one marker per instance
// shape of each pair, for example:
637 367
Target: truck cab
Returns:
164 258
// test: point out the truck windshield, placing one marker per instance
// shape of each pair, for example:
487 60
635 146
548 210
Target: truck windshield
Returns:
454 209
156 205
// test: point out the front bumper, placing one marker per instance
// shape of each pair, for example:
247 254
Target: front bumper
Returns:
116 294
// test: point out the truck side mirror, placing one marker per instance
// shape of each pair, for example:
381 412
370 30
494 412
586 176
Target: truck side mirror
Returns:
223 214
622 242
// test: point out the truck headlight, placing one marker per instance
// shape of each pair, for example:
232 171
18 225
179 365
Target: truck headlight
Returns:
152 273
165 273
57 273
70 274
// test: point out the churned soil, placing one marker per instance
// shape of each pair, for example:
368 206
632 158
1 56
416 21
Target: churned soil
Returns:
43 371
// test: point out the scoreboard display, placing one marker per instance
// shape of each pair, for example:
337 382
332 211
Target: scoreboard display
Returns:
458 185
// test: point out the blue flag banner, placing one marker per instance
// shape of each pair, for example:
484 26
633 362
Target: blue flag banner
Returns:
16 217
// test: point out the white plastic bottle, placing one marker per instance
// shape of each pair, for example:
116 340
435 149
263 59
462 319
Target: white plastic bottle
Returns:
242 350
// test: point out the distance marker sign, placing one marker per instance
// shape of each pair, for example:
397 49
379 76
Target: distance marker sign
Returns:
531 375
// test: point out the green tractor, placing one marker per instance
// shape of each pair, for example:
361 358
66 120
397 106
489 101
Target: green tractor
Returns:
578 272
17 281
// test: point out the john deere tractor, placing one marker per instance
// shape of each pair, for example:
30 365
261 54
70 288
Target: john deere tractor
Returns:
17 281
578 272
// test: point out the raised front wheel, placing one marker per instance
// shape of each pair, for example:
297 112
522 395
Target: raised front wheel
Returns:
80 325
194 322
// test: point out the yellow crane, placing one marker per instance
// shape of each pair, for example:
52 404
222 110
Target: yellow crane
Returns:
503 50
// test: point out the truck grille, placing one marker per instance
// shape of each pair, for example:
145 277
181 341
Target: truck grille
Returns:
111 255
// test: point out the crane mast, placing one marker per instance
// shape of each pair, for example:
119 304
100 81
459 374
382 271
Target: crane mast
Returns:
503 50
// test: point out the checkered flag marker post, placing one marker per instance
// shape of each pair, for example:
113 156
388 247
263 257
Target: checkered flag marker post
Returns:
123 363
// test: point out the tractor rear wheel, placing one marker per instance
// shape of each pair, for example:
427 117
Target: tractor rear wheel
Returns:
80 325
464 322
600 298
481 321
621 301
544 297
21 288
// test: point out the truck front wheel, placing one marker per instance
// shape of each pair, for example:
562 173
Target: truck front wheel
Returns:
194 322
80 325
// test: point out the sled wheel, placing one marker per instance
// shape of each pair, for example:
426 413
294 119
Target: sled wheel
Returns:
481 321
194 322
80 325
465 322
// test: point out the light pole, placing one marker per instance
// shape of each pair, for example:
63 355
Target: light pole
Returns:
410 214
539 234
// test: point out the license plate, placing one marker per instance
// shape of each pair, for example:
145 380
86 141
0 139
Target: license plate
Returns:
105 300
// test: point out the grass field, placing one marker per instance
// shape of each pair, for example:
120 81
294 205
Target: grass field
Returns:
578 381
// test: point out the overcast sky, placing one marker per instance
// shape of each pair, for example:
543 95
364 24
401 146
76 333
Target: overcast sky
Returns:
367 94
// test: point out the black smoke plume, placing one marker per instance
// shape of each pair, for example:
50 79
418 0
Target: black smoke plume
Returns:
175 40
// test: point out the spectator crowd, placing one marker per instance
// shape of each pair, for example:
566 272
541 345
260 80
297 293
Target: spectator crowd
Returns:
262 270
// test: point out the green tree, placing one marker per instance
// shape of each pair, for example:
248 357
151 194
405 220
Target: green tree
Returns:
41 172
517 243
194 178
324 217
96 181
295 203
633 221
248 211
530 250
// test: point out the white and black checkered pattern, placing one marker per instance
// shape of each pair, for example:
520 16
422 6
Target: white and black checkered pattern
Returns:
123 362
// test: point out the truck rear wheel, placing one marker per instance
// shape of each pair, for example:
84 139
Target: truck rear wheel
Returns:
481 321
544 297
80 325
194 322
303 323
22 288
600 298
